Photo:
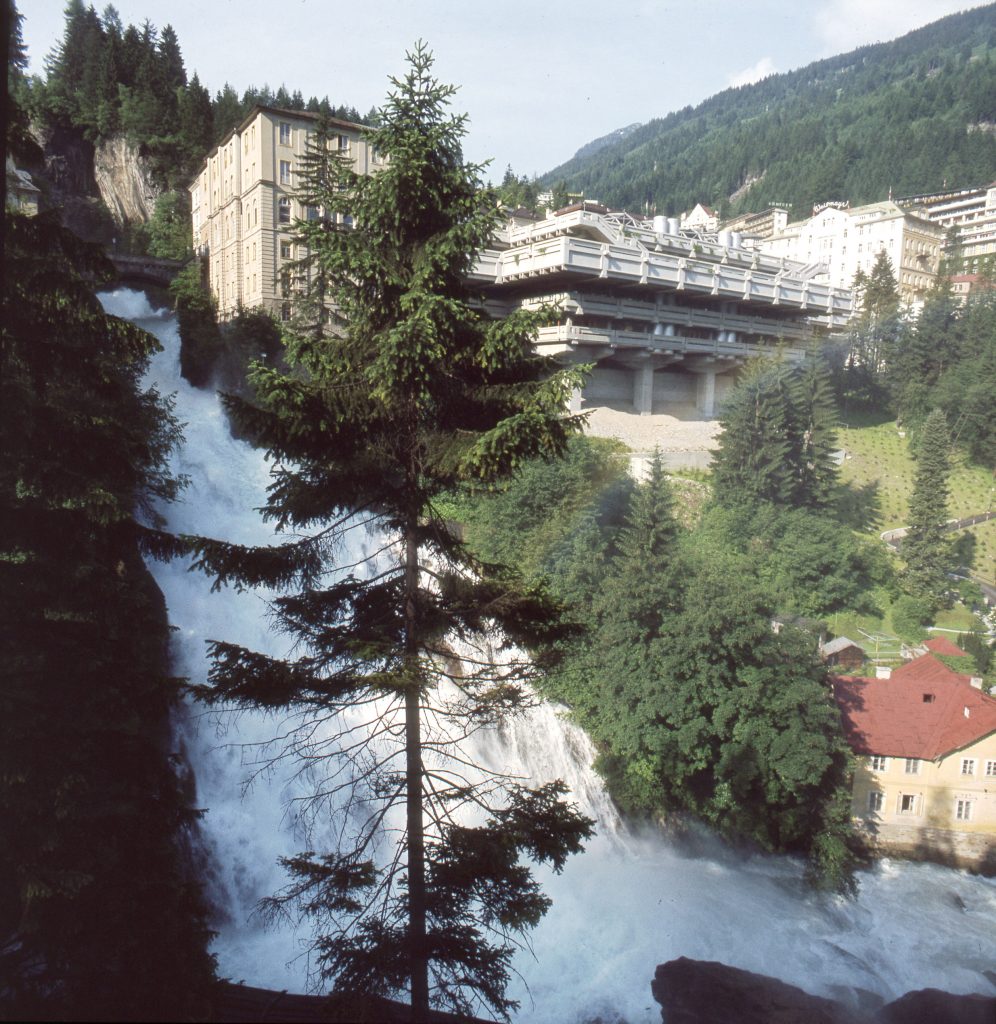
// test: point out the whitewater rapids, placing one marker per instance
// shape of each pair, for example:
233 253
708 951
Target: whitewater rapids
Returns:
625 905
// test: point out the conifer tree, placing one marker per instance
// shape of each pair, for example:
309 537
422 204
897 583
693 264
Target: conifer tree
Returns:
777 440
925 547
753 460
405 392
640 588
876 334
814 416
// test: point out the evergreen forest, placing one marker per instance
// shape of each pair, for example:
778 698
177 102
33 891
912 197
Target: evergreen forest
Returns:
917 114
106 78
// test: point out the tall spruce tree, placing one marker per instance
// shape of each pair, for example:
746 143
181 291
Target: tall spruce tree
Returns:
875 335
753 461
639 588
814 436
778 437
925 547
405 392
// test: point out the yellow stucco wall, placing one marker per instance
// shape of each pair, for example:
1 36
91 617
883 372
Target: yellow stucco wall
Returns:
929 798
236 204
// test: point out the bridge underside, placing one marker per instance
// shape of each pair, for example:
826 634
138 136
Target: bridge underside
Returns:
144 270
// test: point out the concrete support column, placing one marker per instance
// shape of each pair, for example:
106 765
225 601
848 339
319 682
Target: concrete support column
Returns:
706 397
643 389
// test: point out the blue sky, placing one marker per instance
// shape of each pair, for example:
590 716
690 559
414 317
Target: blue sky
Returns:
538 79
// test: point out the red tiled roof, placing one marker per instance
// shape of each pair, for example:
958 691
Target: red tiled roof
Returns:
890 717
942 645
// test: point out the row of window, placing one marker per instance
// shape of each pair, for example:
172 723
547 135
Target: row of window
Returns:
912 766
911 804
285 208
341 142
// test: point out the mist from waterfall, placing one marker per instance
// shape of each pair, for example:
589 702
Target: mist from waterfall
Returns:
628 903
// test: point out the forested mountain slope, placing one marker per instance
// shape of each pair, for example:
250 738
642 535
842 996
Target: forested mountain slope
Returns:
915 114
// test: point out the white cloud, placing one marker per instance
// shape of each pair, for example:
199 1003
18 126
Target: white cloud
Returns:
764 67
847 24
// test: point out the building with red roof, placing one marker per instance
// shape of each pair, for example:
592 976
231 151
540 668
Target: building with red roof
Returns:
942 645
925 744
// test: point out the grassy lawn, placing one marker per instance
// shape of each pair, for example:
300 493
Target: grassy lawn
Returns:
959 617
878 467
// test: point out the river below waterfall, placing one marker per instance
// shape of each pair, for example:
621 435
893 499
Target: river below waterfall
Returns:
625 905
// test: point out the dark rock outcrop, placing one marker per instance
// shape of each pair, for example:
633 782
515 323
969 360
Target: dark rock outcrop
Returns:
931 1006
706 992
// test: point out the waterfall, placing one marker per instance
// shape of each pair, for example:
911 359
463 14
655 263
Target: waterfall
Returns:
626 904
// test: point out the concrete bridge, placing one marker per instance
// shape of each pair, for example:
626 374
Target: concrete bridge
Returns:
146 269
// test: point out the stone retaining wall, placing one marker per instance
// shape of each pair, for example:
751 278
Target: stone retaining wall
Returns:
970 850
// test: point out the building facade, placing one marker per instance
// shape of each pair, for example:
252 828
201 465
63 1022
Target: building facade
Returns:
667 317
925 776
22 194
973 212
244 207
842 241
965 285
759 226
700 218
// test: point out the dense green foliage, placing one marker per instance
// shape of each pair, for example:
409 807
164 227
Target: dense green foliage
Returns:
403 391
197 319
99 916
106 78
925 548
169 229
695 703
230 108
944 358
778 438
900 115
214 354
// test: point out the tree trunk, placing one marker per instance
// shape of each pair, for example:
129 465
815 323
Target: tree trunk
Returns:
419 965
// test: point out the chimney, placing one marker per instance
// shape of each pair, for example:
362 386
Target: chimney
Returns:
883 672
976 681
968 711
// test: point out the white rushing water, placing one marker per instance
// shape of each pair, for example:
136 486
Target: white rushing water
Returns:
625 905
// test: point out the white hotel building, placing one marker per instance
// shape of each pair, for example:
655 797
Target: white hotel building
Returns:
843 241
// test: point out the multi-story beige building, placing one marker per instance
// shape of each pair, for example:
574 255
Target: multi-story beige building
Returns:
843 241
244 206
759 225
925 778
972 211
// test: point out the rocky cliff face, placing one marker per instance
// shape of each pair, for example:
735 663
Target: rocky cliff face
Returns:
97 190
124 181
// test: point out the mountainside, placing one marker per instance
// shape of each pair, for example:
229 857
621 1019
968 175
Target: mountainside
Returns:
915 114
